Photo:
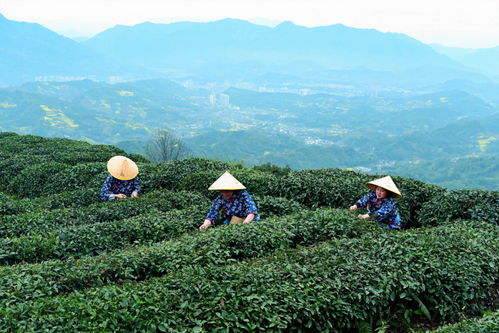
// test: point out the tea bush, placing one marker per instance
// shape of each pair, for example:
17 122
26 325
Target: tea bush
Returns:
7 134
324 187
135 265
93 239
274 206
20 152
11 167
342 188
5 155
461 204
92 175
489 323
19 143
169 175
45 221
31 181
11 206
80 198
415 194
343 285
218 246
78 177
256 182
69 199
273 169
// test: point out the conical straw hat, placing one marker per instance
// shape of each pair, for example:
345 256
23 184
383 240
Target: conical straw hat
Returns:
386 183
226 182
122 168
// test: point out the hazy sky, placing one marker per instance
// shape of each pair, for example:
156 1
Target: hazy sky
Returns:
463 23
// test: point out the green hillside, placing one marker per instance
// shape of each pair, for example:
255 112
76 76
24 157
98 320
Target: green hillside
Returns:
479 172
404 134
69 263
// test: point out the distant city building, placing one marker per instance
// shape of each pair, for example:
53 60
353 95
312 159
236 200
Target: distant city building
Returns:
223 100
116 79
362 169
188 84
58 78
220 100
213 99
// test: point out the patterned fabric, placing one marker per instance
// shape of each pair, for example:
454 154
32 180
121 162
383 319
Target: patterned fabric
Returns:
385 210
239 204
113 186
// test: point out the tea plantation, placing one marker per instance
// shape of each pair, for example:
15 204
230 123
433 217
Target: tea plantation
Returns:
70 263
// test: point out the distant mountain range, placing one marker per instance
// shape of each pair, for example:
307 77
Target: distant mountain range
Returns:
29 51
230 44
228 49
482 60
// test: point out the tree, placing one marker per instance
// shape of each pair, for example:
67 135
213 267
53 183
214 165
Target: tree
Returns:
166 146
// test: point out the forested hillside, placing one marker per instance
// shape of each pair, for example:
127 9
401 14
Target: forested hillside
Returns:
70 263
401 134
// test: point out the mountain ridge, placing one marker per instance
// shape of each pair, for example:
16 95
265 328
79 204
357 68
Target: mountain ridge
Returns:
253 41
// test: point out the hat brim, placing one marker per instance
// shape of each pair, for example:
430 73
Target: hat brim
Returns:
394 194
122 168
226 182
386 183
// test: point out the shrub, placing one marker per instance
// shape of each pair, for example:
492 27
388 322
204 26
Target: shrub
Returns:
31 181
256 182
80 198
415 195
5 155
217 246
342 188
342 285
11 167
461 204
137 158
178 199
93 239
274 206
78 177
18 143
488 323
10 206
46 221
324 187
63 150
7 134
148 177
273 169
169 175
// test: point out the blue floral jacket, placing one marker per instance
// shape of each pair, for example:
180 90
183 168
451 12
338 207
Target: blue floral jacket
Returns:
239 204
385 209
113 186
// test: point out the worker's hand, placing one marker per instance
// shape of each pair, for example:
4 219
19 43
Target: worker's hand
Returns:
120 196
205 225
363 216
249 218
134 195
353 208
